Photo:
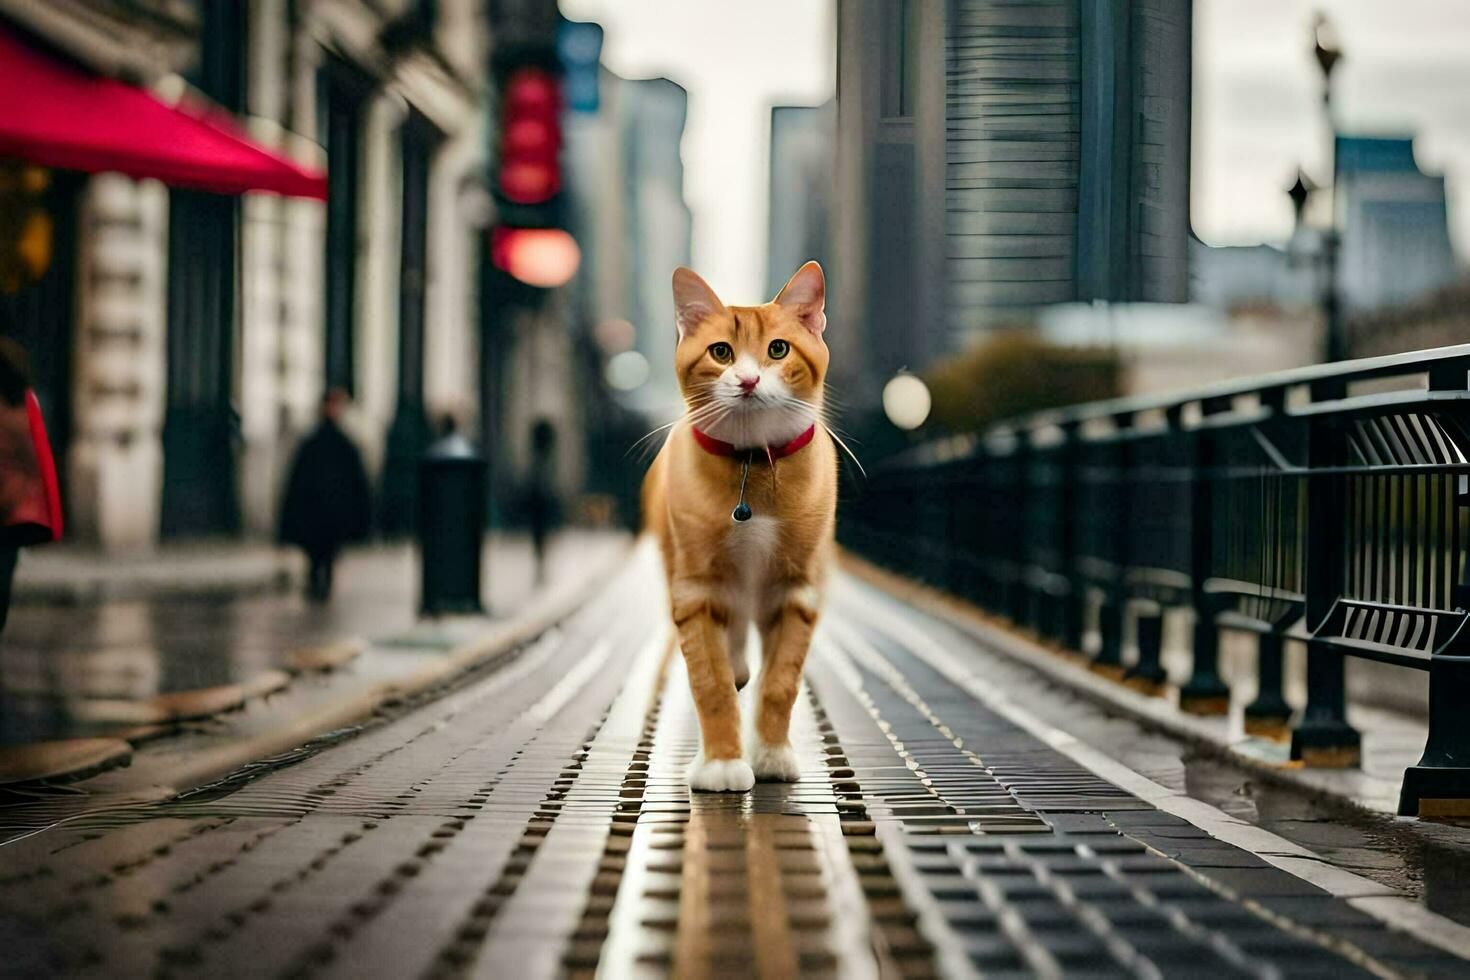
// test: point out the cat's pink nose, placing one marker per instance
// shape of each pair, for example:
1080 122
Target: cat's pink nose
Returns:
747 384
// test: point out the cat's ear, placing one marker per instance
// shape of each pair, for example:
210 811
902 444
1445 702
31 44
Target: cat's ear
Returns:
693 300
805 294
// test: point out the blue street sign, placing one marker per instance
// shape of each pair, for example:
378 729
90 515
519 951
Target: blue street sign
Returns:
579 46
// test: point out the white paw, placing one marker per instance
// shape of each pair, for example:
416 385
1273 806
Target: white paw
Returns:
721 776
774 763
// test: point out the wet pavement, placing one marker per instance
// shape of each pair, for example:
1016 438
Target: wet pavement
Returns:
536 823
1426 860
69 670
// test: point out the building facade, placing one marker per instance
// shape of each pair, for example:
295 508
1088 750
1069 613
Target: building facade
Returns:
1395 229
799 227
1230 277
649 115
633 221
1043 159
201 329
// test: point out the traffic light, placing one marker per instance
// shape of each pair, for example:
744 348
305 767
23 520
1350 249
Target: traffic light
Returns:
530 141
529 241
543 257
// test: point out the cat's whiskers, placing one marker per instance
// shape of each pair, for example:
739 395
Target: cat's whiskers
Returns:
844 447
818 412
695 416
711 407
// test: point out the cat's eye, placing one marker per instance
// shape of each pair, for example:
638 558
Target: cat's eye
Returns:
778 349
722 352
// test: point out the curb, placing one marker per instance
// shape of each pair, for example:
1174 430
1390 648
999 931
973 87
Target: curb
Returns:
69 759
177 707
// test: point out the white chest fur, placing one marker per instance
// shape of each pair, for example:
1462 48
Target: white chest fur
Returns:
749 548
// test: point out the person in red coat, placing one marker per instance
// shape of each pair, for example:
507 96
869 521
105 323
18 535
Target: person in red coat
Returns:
30 500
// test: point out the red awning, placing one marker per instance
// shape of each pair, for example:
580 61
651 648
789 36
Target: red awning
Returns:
56 115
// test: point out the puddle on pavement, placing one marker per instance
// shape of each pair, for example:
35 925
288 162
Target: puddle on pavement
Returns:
133 650
1427 860
28 808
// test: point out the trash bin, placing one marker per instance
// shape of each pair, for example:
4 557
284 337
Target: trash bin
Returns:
451 525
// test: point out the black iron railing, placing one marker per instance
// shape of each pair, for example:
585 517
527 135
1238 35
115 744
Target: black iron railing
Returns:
1327 503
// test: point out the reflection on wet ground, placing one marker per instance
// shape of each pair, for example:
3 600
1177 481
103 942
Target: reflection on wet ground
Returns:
56 660
1428 860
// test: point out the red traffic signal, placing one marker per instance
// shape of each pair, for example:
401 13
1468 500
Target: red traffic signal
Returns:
530 137
545 257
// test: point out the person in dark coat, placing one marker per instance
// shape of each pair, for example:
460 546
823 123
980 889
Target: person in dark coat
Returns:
541 503
327 500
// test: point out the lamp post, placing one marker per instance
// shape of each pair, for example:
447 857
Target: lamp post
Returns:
1334 346
1327 55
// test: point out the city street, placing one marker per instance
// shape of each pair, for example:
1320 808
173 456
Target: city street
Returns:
536 821
1080 386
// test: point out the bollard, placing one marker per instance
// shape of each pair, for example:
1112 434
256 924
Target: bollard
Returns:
1269 716
1147 674
1109 658
451 526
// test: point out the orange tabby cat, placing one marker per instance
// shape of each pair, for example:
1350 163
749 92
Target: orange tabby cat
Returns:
742 499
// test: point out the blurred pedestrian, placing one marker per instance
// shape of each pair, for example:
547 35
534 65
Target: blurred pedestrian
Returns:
30 499
541 503
327 501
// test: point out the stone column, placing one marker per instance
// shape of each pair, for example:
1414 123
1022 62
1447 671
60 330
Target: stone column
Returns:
379 223
266 269
451 350
299 369
262 286
117 454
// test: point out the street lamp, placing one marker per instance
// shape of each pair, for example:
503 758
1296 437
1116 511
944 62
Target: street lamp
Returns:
1327 52
906 401
1327 55
1298 192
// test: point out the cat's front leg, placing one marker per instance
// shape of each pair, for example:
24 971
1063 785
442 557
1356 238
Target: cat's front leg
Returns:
701 622
785 640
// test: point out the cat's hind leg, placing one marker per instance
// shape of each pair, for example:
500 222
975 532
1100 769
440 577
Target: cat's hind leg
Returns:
702 623
784 644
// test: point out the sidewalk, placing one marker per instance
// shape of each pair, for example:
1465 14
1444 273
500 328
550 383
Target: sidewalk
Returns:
138 666
199 569
536 822
1346 817
1392 739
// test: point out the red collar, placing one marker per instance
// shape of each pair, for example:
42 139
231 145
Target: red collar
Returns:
719 447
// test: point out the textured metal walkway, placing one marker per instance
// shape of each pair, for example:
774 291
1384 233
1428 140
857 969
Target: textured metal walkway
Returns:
536 824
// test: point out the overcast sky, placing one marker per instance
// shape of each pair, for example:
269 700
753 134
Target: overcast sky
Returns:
1257 110
1407 69
736 59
